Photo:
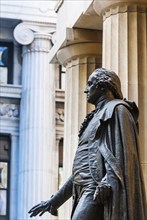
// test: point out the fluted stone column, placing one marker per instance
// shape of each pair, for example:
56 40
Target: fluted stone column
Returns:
37 174
80 60
125 51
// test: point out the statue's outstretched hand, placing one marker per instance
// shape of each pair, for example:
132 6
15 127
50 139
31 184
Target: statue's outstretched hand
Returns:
41 208
102 192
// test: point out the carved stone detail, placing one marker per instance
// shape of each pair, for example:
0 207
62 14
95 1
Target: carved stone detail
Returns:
59 116
9 110
24 33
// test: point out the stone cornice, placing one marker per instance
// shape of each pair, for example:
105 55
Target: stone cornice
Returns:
48 27
10 91
27 10
111 7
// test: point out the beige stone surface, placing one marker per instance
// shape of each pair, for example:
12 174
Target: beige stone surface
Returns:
144 169
125 52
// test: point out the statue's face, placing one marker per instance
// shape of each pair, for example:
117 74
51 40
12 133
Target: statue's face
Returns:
92 90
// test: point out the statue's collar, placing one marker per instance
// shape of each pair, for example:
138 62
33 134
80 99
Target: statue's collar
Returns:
103 101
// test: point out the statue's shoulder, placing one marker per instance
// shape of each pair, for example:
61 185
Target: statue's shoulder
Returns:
115 102
107 111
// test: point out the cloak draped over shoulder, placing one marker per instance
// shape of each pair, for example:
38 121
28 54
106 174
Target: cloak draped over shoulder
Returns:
116 138
114 135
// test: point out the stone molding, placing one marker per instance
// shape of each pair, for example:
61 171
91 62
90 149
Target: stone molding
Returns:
25 33
10 91
59 134
79 50
108 8
9 126
60 95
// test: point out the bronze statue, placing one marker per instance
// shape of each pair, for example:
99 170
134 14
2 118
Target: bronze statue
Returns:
106 182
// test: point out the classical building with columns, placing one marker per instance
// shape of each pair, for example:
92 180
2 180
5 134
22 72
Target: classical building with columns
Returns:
47 52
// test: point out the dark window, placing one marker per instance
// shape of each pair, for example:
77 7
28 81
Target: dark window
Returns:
60 172
4 177
62 77
6 63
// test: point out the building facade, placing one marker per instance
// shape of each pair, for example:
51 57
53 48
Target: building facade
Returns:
39 42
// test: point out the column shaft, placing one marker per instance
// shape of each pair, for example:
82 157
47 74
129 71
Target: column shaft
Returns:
37 166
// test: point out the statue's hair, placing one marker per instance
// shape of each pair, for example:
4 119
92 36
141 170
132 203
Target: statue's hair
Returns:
108 79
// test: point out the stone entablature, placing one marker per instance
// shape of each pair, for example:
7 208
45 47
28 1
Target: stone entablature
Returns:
28 11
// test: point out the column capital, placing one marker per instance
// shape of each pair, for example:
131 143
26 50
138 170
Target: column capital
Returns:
79 50
110 7
74 36
25 33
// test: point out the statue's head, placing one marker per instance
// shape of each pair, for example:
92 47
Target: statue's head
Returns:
100 82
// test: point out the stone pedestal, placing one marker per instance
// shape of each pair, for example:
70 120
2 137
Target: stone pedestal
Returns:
37 175
125 52
80 60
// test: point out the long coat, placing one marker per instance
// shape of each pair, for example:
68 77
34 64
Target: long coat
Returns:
115 136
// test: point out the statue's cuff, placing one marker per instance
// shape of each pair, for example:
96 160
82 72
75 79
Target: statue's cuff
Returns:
53 211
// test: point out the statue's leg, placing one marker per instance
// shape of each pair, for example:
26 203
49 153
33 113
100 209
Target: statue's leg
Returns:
87 208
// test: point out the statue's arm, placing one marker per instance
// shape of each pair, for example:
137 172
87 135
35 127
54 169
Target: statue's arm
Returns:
51 205
63 194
